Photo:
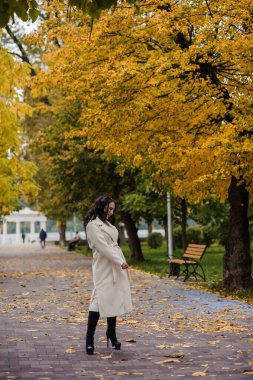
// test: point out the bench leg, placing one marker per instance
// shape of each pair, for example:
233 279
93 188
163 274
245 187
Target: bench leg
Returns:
197 274
186 271
203 273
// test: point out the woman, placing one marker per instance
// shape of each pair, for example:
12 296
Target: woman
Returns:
111 295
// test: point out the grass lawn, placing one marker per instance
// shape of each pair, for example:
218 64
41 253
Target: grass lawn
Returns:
156 263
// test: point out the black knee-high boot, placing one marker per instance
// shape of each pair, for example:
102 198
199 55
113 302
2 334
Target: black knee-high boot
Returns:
93 318
111 333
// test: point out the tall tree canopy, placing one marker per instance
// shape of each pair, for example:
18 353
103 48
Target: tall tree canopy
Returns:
16 174
161 91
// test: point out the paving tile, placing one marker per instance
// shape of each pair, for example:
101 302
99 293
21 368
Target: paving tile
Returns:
174 331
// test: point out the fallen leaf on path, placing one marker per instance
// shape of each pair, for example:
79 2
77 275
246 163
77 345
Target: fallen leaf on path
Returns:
106 357
137 373
14 339
164 346
198 374
70 350
187 345
132 322
121 373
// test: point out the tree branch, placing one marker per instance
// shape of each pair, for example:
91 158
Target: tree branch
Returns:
24 55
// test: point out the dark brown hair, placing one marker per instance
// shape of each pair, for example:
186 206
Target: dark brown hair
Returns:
98 209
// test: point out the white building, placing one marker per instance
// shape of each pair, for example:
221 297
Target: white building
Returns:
31 222
26 220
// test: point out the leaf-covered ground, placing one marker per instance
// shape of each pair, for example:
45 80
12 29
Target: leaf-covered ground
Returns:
173 331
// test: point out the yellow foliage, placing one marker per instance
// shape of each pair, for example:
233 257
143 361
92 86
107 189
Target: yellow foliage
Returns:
168 90
15 173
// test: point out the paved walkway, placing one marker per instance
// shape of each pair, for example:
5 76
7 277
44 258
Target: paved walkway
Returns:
174 332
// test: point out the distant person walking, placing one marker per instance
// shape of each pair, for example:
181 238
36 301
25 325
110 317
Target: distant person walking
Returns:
43 236
23 237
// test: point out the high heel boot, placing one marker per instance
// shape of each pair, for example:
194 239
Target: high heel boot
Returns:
111 333
93 318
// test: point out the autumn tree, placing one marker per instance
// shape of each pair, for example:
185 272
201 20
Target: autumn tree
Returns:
161 90
16 173
71 176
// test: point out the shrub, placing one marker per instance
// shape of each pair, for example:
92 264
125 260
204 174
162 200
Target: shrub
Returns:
155 240
195 235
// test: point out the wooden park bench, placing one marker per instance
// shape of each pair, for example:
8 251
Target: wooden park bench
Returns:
190 261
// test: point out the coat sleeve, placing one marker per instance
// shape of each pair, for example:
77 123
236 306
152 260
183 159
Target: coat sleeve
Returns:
96 240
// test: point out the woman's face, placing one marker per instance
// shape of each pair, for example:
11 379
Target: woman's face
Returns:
109 210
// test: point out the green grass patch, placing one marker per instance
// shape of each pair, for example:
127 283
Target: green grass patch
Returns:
156 262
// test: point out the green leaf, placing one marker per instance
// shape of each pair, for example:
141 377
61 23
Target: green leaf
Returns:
33 13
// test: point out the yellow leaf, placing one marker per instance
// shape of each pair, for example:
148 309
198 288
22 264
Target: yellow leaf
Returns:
164 346
198 374
121 373
106 357
136 373
70 350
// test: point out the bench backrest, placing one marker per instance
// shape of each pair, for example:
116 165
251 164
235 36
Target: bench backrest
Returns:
194 251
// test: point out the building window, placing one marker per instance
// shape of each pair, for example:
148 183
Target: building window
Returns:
37 227
11 227
25 227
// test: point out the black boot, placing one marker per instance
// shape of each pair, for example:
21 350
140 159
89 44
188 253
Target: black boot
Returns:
111 333
93 318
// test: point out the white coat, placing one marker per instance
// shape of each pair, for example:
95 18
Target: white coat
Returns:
111 282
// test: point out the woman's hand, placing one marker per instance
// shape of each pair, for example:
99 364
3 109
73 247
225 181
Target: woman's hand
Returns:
124 266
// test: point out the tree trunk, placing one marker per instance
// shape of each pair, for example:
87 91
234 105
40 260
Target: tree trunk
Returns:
62 233
133 239
237 259
150 228
184 222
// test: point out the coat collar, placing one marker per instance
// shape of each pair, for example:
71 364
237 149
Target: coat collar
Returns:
108 228
100 223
